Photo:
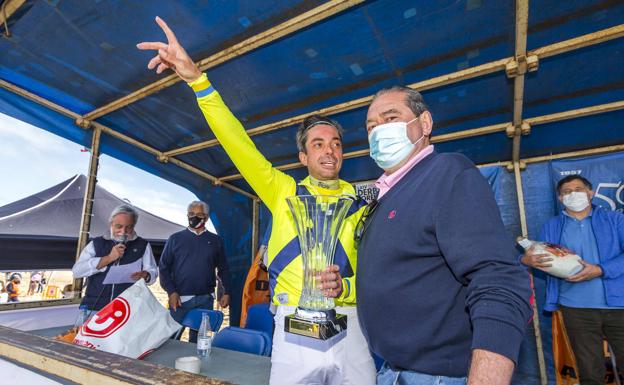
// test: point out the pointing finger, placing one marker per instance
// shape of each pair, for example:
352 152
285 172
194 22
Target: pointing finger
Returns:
154 45
171 38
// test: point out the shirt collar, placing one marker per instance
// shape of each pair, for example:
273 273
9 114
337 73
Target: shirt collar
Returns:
570 216
201 232
385 182
342 186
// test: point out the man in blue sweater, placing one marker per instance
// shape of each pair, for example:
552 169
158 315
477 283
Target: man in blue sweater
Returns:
187 267
440 292
591 301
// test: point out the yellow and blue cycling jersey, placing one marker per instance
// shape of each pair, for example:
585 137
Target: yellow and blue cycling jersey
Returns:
273 187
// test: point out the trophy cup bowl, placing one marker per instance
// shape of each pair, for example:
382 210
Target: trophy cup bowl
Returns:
318 220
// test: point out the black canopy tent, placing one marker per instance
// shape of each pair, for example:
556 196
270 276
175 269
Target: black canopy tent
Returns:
42 230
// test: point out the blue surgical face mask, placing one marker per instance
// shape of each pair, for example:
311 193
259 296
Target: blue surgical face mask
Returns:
389 144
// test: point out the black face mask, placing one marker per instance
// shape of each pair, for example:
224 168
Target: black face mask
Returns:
196 222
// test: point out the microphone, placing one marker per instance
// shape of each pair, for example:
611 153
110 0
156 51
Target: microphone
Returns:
122 239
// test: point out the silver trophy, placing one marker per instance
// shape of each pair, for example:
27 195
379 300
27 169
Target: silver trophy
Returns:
318 219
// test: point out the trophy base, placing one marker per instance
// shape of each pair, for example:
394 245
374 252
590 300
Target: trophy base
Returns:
319 324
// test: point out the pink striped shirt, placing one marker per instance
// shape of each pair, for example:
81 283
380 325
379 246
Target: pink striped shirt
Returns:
385 182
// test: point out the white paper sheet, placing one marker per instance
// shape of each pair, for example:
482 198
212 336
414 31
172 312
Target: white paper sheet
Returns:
122 273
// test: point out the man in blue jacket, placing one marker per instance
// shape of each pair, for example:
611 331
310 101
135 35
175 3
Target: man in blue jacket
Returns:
591 301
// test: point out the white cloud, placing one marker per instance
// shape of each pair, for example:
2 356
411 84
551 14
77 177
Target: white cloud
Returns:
26 137
32 159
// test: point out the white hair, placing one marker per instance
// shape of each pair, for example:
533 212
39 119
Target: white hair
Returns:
199 203
125 209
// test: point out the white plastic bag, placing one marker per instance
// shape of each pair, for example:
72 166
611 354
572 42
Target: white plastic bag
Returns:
133 325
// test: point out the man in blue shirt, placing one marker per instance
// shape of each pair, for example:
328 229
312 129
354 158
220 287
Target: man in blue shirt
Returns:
591 301
187 266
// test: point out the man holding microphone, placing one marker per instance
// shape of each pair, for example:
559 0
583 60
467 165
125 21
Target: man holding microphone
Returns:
105 251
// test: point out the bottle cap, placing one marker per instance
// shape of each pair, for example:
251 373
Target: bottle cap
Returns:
525 243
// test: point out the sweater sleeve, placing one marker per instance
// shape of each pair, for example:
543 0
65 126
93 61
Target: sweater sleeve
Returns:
165 267
473 241
267 182
86 265
348 295
223 268
614 267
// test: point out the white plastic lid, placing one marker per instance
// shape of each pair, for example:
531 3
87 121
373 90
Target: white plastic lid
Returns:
525 243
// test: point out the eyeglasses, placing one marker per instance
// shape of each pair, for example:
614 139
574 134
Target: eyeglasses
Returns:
364 221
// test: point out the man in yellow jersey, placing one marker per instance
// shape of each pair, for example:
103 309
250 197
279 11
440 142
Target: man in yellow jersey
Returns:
295 359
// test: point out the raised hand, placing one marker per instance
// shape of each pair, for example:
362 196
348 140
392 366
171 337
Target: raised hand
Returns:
171 55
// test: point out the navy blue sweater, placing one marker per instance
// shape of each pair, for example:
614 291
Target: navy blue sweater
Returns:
188 261
437 274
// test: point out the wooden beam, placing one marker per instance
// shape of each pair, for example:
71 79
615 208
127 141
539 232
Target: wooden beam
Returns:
87 203
109 131
577 113
255 222
586 111
434 139
563 155
288 27
522 21
469 133
38 99
574 154
438 81
9 7
500 164
87 366
579 42
469 73
38 304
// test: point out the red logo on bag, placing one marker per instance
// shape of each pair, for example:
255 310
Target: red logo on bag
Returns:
108 320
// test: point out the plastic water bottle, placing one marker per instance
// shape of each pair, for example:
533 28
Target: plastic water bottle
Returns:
81 317
204 337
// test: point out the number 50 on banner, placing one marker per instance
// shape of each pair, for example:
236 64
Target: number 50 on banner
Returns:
618 196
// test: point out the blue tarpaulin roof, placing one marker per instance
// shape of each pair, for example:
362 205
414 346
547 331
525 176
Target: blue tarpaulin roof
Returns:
81 55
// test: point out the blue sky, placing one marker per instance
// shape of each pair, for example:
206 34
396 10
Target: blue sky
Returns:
32 159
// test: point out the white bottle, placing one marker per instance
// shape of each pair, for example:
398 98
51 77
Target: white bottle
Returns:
81 317
564 262
204 337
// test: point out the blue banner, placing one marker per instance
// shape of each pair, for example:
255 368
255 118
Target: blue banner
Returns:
606 174
491 174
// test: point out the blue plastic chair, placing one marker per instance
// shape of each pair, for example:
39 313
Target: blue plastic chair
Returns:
243 340
193 319
259 317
